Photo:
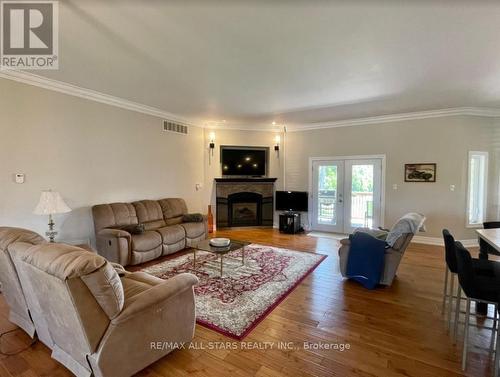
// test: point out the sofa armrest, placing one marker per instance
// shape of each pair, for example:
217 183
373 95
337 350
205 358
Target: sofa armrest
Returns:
114 245
113 233
345 242
344 255
155 296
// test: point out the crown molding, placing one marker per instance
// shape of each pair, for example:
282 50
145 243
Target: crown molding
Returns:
438 113
92 95
237 127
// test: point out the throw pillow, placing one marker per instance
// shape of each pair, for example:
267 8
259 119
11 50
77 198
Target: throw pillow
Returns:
134 228
192 218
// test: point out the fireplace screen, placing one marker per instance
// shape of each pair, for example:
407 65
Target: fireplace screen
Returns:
244 214
245 209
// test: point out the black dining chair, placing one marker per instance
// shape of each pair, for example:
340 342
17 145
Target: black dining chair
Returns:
480 266
479 288
450 273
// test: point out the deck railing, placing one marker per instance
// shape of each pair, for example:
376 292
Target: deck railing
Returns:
361 207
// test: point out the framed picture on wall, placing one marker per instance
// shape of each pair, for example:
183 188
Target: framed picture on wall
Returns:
424 172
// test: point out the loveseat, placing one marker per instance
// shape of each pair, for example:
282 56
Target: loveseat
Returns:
134 233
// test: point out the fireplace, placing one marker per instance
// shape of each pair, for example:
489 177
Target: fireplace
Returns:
244 202
244 209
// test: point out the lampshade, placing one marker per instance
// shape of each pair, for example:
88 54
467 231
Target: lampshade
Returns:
50 203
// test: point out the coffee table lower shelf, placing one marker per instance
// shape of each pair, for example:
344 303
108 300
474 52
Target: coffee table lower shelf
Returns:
234 245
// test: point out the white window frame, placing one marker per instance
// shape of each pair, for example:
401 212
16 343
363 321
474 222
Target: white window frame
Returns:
483 184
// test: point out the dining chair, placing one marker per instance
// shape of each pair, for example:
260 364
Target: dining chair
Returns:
450 275
478 288
480 266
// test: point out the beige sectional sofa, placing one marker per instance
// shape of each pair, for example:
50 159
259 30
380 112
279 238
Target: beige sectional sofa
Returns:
165 232
98 319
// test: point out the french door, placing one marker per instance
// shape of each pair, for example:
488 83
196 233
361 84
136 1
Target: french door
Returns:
346 194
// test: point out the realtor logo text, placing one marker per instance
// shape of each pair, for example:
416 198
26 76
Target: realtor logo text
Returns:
29 35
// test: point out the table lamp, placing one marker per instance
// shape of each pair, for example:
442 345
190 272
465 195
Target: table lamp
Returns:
51 203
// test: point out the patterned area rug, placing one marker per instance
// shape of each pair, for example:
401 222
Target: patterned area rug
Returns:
236 302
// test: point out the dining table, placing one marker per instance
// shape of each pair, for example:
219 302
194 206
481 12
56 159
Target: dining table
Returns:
492 238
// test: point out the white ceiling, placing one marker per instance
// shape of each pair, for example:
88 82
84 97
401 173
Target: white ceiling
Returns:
293 62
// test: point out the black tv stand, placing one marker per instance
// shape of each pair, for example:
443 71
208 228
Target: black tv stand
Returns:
290 223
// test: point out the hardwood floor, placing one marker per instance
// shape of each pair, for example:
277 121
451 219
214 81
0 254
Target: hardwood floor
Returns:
395 331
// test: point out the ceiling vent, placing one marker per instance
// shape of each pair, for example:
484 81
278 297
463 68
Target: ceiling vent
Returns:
174 127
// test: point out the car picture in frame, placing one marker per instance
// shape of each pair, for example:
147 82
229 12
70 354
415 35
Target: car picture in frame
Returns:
422 172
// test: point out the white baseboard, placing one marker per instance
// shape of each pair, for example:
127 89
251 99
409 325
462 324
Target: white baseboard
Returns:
438 241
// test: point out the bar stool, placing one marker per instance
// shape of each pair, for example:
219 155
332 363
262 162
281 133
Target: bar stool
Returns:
480 266
478 288
450 273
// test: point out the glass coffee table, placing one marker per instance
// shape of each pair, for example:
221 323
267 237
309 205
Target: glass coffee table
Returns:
220 251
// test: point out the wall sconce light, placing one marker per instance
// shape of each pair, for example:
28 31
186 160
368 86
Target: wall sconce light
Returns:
277 140
212 142
211 146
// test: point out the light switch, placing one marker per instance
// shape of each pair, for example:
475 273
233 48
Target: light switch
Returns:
452 187
198 186
19 178
395 186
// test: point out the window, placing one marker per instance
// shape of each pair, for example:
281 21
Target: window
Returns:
476 190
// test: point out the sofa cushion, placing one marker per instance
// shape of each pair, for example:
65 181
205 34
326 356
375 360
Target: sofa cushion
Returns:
61 260
133 287
113 215
148 210
171 234
153 225
107 289
194 230
146 241
173 207
10 235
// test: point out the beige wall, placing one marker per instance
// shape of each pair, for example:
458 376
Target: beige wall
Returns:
445 141
240 138
90 152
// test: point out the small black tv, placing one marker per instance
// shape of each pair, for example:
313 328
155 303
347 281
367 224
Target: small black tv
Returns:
295 201
244 161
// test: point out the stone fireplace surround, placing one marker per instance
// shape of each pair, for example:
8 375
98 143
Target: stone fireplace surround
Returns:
244 202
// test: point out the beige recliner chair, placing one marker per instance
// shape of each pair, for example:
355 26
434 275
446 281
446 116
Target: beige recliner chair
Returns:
102 324
19 302
400 237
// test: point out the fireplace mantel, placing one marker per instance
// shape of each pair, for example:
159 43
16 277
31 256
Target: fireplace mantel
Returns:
245 179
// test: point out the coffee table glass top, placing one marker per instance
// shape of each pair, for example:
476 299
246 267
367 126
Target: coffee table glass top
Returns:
234 245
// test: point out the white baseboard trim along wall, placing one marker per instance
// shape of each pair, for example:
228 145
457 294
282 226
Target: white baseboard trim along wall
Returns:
439 241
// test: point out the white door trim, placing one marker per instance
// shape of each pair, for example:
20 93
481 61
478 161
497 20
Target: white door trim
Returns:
357 157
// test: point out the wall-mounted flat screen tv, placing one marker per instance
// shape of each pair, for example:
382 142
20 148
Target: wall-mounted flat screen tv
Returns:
244 161
295 201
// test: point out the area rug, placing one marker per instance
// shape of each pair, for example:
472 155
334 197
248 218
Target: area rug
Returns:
236 302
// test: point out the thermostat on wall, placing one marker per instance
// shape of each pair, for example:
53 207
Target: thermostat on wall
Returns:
19 177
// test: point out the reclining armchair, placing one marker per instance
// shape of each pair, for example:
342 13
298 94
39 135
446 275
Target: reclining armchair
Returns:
397 240
101 323
19 301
